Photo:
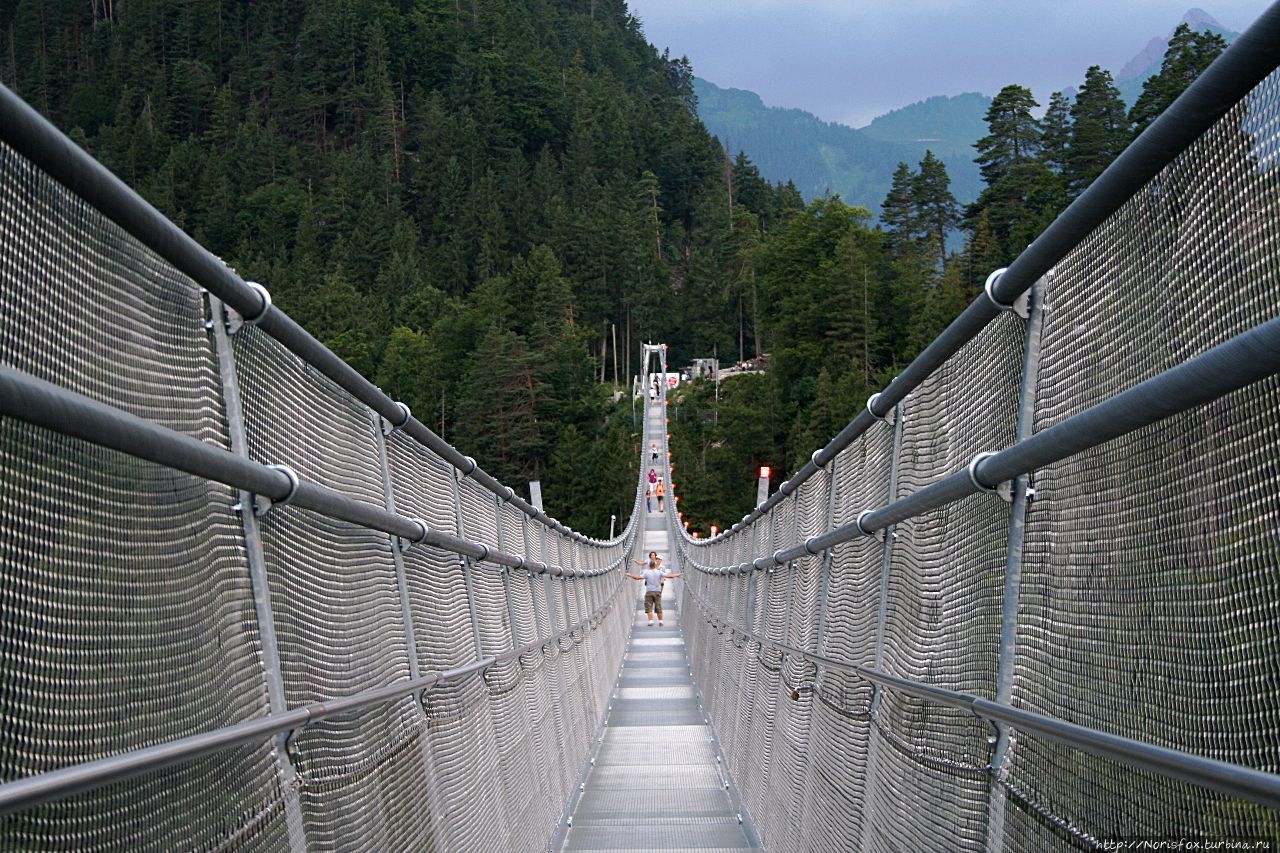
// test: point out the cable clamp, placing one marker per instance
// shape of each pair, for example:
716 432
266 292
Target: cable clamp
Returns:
484 556
263 504
808 546
1020 306
990 289
979 485
472 466
888 417
862 528
388 427
406 543
266 303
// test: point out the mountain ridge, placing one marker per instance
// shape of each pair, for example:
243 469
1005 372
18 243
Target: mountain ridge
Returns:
823 157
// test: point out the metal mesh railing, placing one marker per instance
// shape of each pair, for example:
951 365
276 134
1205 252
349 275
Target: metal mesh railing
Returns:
248 602
372 646
895 660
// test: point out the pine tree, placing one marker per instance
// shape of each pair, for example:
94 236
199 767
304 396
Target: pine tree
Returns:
1014 134
1189 53
1020 188
935 207
1099 129
1055 140
1055 146
497 412
897 213
852 326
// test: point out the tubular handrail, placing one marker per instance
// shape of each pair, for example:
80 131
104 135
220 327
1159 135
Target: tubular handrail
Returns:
1238 780
44 404
77 778
36 139
1242 360
1254 55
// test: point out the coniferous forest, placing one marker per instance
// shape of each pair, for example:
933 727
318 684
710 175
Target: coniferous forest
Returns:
487 205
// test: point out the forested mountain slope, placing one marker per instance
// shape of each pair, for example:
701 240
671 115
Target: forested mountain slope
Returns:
458 198
470 201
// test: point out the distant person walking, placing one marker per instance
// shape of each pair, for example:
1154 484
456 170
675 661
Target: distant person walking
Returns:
653 476
660 490
653 578
648 500
653 451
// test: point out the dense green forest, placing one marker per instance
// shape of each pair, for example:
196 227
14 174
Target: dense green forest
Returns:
846 306
486 206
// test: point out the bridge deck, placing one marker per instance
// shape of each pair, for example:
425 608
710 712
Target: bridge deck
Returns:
656 784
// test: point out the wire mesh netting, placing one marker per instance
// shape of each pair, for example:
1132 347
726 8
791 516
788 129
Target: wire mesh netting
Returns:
140 605
115 634
1182 567
129 615
1149 572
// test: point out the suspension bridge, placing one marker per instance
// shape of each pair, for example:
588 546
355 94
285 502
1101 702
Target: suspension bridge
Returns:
1029 599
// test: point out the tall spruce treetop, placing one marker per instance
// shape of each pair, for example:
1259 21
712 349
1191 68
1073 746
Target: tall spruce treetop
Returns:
1055 140
1015 134
1021 188
935 206
897 213
1099 129
1189 53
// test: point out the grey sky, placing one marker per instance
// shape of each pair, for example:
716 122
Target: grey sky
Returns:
851 60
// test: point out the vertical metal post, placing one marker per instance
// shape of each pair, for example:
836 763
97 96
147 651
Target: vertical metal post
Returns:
380 430
1013 564
533 586
766 584
728 597
506 572
564 586
258 579
553 623
465 563
826 556
882 606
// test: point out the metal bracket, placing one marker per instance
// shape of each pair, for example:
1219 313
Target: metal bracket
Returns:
1020 306
266 303
1003 489
889 417
882 534
263 504
388 427
235 321
862 515
405 544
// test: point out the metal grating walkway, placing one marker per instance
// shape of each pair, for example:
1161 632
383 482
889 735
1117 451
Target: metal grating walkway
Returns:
655 783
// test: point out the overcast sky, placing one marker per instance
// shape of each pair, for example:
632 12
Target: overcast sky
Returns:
852 60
